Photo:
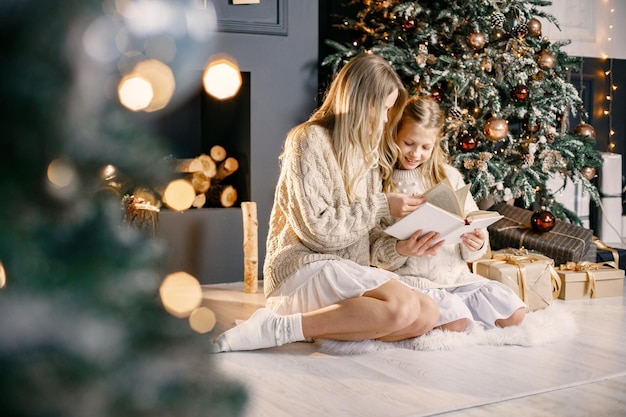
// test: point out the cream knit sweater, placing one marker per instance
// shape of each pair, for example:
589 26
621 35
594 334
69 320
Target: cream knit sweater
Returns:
448 268
311 218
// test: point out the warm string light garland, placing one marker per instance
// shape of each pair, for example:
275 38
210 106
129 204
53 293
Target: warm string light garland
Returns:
609 73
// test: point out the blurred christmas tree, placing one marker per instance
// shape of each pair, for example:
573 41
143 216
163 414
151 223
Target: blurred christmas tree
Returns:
503 86
82 329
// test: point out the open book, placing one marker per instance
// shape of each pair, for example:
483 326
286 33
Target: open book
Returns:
444 212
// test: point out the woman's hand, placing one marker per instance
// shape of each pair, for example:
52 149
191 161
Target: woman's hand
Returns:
473 241
402 204
420 246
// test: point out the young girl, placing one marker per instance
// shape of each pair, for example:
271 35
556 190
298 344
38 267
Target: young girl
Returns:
316 275
467 297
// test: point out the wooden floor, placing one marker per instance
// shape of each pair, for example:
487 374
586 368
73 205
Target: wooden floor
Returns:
582 376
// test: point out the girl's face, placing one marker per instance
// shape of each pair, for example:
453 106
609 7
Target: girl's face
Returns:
416 144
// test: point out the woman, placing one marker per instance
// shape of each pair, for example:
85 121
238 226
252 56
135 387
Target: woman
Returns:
317 277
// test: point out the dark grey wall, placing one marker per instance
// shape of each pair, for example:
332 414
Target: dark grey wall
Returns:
283 80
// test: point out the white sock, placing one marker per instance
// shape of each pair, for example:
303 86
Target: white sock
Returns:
264 329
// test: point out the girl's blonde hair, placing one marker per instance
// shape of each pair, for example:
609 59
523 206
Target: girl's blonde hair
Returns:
351 111
426 112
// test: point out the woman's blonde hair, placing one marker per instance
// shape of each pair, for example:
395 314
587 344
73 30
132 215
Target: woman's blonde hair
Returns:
352 110
427 114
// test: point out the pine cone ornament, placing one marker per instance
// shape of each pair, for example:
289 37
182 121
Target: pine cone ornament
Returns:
456 113
520 30
497 20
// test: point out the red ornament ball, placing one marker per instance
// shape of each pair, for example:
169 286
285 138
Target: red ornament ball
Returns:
496 129
436 94
542 221
585 129
520 92
531 127
467 142
408 24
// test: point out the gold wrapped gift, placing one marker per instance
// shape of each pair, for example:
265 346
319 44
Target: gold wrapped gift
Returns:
531 275
590 280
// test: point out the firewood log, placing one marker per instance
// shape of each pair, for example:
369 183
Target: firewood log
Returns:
188 165
220 195
199 201
200 182
250 247
218 153
208 165
226 168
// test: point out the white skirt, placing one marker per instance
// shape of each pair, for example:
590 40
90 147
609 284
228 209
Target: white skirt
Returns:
489 301
323 283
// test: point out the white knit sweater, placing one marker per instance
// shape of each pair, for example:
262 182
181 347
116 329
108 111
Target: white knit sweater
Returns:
448 268
311 218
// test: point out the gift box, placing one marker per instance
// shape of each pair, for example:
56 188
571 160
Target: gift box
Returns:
566 242
590 280
531 275
604 253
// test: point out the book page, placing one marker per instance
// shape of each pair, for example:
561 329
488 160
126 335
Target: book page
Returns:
443 195
427 218
480 223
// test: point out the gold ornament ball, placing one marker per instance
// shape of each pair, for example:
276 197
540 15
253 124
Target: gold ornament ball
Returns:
534 27
585 129
496 129
475 40
546 60
588 172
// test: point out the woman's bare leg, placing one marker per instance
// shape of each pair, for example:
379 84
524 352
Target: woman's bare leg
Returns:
390 312
459 325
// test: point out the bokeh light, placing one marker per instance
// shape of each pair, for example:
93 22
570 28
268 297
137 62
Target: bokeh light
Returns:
202 320
222 78
135 93
3 276
61 173
180 293
158 42
149 87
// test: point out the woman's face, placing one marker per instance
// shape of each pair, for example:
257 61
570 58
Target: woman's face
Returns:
416 144
389 102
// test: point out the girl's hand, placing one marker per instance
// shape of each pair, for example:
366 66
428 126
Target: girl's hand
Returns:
473 241
420 246
402 204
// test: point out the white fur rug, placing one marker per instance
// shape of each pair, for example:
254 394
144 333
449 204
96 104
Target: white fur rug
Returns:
554 323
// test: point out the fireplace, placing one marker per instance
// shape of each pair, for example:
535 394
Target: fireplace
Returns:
201 122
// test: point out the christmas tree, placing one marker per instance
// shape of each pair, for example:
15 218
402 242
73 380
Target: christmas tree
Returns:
502 85
83 331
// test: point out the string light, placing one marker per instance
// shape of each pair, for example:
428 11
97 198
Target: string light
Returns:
612 87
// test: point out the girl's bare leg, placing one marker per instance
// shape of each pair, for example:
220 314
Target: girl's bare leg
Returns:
514 320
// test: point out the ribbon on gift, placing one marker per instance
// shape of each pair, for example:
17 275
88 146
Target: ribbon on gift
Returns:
603 246
520 257
527 228
588 268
